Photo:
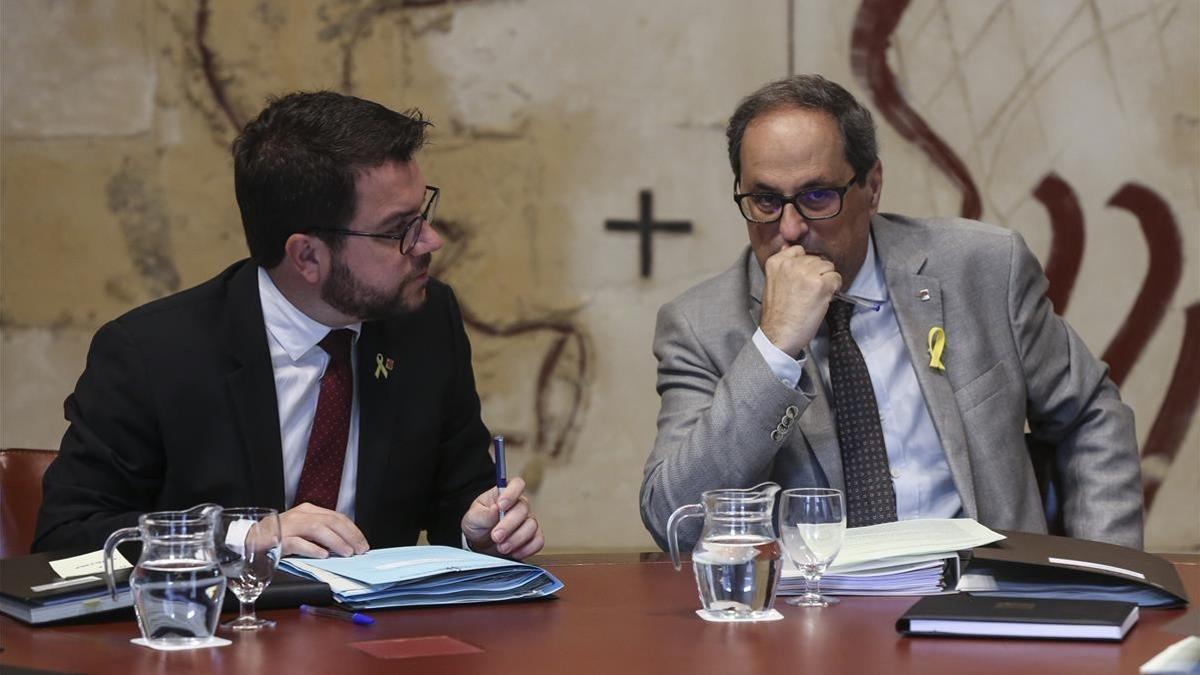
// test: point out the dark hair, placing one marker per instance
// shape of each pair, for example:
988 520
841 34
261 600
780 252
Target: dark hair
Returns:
816 93
294 165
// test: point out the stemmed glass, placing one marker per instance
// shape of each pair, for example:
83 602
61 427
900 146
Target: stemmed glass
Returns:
813 523
248 546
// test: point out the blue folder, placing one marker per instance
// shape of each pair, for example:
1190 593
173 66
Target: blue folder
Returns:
409 576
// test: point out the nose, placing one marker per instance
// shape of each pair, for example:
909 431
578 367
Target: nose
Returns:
428 242
792 225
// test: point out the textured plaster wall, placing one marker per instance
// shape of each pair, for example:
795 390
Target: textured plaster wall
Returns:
551 115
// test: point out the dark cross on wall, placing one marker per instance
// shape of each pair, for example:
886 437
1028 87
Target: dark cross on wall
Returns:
645 226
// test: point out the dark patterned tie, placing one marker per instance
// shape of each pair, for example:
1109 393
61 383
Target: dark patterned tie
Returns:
870 498
322 475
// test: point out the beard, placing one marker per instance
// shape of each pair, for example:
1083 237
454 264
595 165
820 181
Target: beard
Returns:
345 293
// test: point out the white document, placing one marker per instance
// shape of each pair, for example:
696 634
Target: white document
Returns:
88 563
919 537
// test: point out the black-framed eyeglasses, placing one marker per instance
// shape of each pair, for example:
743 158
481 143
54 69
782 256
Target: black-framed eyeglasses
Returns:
817 203
408 234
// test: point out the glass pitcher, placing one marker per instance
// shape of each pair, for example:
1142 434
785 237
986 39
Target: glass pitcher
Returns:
177 584
737 557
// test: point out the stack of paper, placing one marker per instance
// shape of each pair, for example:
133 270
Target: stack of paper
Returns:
907 557
425 575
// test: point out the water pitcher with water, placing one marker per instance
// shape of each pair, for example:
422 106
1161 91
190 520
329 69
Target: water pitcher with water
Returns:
177 584
737 557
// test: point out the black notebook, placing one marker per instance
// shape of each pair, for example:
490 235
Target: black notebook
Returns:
31 591
968 615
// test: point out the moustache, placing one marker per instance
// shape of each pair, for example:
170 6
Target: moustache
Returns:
422 265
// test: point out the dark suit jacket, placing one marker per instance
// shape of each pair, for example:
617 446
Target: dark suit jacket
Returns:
177 406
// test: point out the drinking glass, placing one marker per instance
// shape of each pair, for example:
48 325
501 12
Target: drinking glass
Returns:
249 542
813 523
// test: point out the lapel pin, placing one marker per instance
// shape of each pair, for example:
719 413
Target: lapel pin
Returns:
923 294
937 344
382 368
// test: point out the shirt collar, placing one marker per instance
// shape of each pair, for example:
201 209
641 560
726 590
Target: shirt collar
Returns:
294 330
868 283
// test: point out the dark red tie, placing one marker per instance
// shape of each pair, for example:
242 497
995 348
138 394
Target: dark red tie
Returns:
870 498
322 474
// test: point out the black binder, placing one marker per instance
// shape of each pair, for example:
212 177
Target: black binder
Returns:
1095 570
31 591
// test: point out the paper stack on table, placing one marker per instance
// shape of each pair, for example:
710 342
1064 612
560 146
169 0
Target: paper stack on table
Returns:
906 557
424 575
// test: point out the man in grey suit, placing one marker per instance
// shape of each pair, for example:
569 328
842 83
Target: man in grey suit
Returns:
960 345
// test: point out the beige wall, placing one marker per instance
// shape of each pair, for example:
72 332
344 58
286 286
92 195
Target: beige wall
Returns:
551 115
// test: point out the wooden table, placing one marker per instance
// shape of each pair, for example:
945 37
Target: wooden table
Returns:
621 614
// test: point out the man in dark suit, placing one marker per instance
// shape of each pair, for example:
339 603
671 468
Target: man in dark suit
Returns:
327 376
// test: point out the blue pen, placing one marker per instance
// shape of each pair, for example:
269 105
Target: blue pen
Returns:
501 472
352 617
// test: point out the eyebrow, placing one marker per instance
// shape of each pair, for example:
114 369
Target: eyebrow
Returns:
816 183
396 220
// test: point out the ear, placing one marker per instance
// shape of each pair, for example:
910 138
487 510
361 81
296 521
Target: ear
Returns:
308 256
875 185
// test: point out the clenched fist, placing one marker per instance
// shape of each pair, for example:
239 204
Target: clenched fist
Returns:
798 289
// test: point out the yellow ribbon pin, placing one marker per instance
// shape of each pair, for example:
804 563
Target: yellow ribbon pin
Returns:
937 344
380 369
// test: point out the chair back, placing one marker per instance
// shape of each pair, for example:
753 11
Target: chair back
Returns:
20 497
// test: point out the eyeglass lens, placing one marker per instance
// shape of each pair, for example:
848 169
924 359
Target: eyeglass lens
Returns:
818 203
413 234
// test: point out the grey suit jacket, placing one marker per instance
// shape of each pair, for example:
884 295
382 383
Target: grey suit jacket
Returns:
1009 361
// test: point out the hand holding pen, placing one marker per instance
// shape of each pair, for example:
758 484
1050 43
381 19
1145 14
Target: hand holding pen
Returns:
500 521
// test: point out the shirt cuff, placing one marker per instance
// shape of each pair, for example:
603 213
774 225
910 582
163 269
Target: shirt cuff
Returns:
786 369
235 535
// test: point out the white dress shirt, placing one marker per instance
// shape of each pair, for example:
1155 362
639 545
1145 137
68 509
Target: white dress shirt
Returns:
299 363
921 475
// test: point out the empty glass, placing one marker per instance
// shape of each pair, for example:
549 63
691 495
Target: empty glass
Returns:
249 541
813 523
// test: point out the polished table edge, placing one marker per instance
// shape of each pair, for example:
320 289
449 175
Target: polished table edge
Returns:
640 557
603 558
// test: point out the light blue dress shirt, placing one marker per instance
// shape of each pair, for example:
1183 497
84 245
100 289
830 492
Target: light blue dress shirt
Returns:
920 473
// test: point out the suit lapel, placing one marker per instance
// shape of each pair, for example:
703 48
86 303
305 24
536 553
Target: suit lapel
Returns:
816 422
251 387
376 384
903 261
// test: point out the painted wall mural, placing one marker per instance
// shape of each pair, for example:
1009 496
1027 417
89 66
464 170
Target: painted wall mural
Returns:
873 30
565 128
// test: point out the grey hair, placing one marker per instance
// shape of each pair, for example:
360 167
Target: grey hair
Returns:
815 93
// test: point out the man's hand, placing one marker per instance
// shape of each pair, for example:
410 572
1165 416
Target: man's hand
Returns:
516 536
314 532
796 295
